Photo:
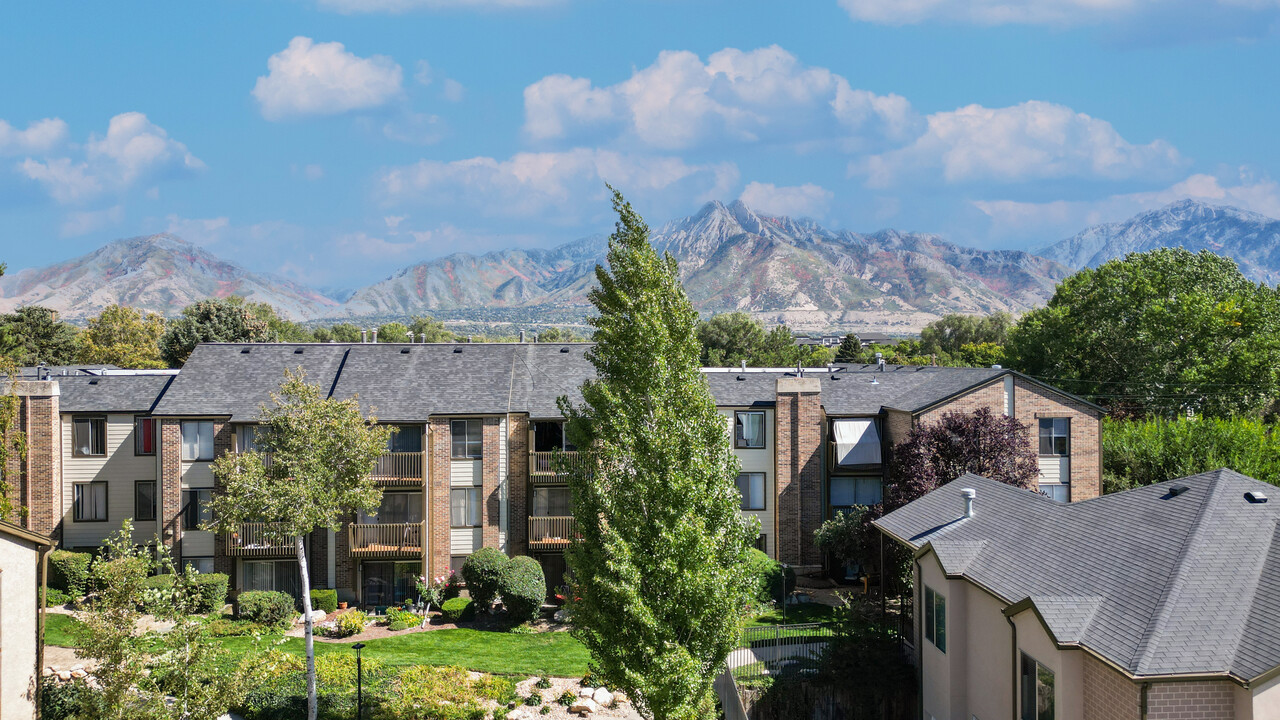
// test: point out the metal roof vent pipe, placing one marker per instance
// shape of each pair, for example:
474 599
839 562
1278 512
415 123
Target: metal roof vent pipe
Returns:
522 337
375 335
968 494
364 335
744 366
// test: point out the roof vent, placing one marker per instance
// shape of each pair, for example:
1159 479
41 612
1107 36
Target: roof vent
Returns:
968 494
93 381
1176 490
457 349
244 351
564 349
297 351
742 377
996 367
404 351
1255 496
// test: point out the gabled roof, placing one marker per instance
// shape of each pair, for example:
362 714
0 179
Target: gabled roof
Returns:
866 389
1155 582
22 533
134 393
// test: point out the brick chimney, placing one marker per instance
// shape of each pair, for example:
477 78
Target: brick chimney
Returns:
799 470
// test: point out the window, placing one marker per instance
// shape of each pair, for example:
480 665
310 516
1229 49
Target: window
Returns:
278 575
455 563
144 500
89 437
396 508
387 583
90 502
935 618
1055 436
195 508
548 436
762 544
751 488
199 564
197 439
468 439
144 436
856 442
848 492
406 438
1037 690
748 429
1059 492
248 438
552 502
464 507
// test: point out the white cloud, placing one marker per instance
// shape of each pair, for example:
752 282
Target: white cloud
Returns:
452 90
414 128
39 137
309 78
133 150
201 231
1010 217
1060 13
679 101
84 222
558 184
401 6
1033 140
311 172
806 200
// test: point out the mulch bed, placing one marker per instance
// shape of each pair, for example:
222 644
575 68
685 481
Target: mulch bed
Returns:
484 622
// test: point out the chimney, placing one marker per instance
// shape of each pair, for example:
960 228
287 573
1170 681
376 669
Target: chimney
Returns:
522 336
375 335
968 494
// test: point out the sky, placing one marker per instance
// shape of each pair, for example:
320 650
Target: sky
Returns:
334 141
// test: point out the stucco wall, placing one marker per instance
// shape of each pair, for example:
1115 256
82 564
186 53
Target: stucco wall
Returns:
1067 665
18 581
1265 702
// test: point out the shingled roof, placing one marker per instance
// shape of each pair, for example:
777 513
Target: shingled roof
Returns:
865 389
123 393
1157 582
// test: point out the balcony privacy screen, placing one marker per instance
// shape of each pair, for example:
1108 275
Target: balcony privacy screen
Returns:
857 442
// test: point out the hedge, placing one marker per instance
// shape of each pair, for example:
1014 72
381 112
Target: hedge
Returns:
483 573
326 600
455 610
211 589
69 571
265 607
523 588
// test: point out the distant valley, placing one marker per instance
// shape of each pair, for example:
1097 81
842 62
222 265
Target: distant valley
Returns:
732 258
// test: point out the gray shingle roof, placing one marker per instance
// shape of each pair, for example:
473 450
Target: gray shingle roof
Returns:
742 389
219 379
1158 584
901 387
111 393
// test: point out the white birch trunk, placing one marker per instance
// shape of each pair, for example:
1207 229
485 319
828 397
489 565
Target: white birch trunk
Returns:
300 546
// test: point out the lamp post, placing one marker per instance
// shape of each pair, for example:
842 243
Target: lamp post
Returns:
359 682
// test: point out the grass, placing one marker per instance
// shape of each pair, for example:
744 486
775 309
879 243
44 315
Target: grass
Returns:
798 614
499 653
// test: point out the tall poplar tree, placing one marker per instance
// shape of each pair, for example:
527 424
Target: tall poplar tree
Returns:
321 453
659 568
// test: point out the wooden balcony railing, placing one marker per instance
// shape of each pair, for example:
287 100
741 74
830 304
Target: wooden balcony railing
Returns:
543 467
251 540
399 468
385 539
550 533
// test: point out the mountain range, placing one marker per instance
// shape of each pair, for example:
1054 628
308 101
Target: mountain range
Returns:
731 258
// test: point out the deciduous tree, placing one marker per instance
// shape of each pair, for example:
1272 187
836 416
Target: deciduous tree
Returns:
123 336
430 328
322 452
950 333
661 563
224 320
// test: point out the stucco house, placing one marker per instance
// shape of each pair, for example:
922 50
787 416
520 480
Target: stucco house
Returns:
21 576
1158 602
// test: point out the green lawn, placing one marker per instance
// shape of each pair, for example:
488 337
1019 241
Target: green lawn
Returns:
797 614
492 652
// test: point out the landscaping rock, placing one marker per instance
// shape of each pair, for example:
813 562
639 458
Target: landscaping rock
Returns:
316 616
47 672
561 616
586 692
584 706
78 673
602 697
64 675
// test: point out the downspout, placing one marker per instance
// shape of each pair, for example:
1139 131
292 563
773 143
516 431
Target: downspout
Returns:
1013 630
1142 700
918 590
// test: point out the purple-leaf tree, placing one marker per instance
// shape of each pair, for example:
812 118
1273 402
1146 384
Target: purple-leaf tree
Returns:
981 442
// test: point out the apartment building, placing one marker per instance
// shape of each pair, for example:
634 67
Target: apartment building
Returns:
1149 604
471 462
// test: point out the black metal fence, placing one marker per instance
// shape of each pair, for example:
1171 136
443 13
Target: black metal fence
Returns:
770 650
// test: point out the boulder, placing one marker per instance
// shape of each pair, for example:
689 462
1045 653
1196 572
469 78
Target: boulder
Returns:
64 675
47 672
602 697
316 616
584 706
561 616
586 692
78 673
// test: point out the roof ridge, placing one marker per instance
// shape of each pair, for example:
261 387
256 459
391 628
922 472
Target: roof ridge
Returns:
1160 614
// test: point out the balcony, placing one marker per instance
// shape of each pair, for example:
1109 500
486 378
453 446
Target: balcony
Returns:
550 533
399 468
253 540
385 539
542 465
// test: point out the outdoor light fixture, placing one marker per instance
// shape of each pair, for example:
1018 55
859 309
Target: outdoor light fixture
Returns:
359 682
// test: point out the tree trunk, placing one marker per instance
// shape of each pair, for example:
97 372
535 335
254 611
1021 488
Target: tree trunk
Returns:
301 547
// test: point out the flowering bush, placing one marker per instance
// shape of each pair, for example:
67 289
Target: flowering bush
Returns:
439 589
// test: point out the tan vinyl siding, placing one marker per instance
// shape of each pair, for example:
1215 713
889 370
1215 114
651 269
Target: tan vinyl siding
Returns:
464 541
465 473
120 468
504 485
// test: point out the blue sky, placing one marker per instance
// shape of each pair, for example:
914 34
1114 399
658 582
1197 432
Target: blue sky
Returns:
334 141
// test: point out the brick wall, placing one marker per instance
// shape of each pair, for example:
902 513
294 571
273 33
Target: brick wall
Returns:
170 480
1191 701
491 492
897 426
344 567
798 437
1033 401
43 472
517 483
990 396
1108 695
318 558
438 505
